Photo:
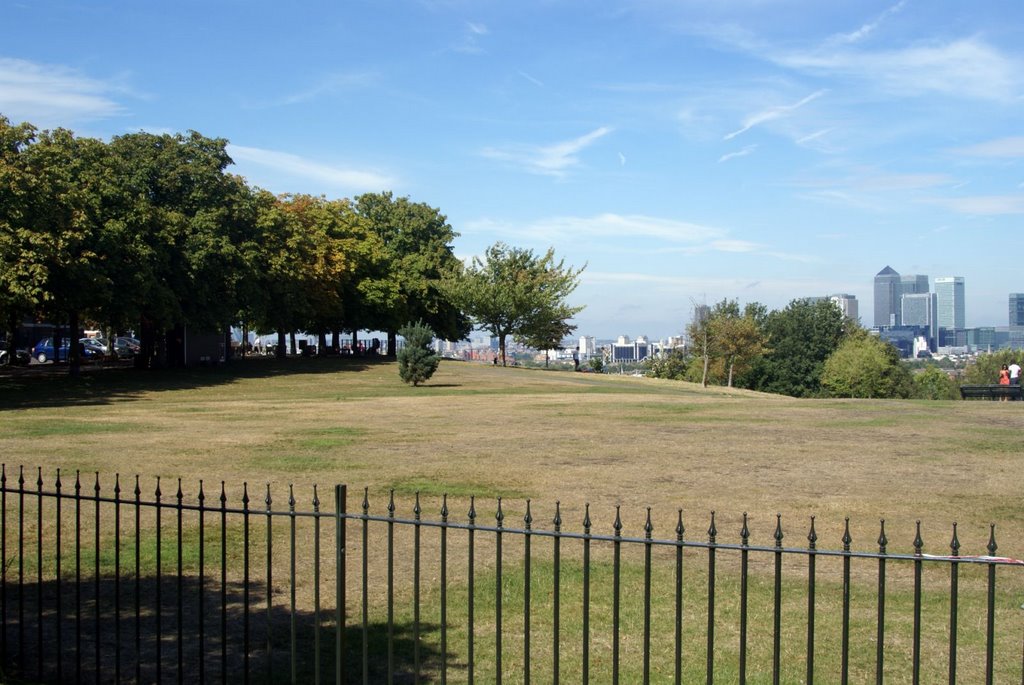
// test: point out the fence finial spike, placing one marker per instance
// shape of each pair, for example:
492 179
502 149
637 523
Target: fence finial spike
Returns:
680 529
847 538
778 529
472 510
812 537
444 507
954 544
648 526
500 515
712 531
882 540
416 510
291 496
316 498
528 518
201 496
745 532
617 526
267 500
992 547
558 516
366 500
918 542
586 518
391 503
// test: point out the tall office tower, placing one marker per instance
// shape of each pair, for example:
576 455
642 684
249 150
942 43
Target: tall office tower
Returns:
887 297
950 310
1017 309
913 284
918 309
847 305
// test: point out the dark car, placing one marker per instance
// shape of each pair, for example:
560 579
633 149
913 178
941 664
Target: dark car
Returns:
16 357
43 351
125 347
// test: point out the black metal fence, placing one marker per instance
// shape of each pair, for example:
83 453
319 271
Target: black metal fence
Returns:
121 585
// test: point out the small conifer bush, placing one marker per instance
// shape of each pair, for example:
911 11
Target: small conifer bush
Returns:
417 361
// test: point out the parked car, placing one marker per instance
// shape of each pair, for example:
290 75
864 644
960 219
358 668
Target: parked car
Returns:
125 347
43 350
16 357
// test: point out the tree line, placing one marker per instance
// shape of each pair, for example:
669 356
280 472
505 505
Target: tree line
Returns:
807 349
150 233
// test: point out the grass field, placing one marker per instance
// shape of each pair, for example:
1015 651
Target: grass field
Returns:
547 436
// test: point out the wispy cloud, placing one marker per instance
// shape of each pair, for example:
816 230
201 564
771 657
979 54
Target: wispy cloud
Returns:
984 205
739 153
773 113
469 41
551 160
49 95
866 30
966 68
1011 147
294 165
325 86
531 79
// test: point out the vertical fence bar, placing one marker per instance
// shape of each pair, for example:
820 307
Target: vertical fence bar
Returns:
58 581
391 588
555 593
223 585
39 574
316 586
159 588
648 530
680 531
21 566
918 545
880 628
117 577
845 657
444 589
365 586
245 583
96 580
201 607
138 582
470 590
812 542
3 563
710 668
270 587
180 586
616 592
586 594
777 615
499 517
78 577
416 511
744 592
990 632
527 534
293 626
954 582
340 511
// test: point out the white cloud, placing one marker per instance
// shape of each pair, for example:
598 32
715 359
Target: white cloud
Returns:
967 68
1011 147
633 226
48 95
987 205
773 113
550 160
867 29
294 165
327 85
739 153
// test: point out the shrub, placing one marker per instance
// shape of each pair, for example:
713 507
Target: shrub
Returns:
417 361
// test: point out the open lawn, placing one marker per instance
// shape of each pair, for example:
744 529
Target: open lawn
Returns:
572 438
478 429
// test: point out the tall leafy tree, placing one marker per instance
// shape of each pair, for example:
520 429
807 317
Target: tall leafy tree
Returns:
727 340
417 259
801 337
514 292
866 366
22 285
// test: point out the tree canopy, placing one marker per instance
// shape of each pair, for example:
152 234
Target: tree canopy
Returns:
866 366
514 292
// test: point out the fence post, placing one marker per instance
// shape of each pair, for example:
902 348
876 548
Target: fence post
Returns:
340 501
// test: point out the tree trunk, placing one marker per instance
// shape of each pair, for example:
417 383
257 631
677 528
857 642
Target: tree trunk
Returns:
322 344
295 349
74 360
392 344
282 344
730 374
501 348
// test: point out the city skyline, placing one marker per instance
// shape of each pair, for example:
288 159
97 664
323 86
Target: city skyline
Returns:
758 151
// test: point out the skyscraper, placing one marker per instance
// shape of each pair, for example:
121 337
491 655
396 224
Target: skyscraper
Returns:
913 284
950 308
1017 309
887 297
918 309
847 304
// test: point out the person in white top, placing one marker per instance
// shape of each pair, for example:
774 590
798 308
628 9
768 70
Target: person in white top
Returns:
1014 369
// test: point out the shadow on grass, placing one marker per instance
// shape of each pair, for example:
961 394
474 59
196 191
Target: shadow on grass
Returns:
70 642
50 386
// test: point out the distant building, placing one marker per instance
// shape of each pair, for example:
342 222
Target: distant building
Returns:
1016 309
913 284
626 350
588 346
918 309
950 307
847 305
887 297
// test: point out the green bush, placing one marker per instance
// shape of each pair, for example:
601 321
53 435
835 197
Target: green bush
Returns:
417 361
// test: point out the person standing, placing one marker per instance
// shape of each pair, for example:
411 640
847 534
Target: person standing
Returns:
1014 370
1004 379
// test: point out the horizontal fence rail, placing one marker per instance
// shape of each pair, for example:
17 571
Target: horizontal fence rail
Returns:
120 584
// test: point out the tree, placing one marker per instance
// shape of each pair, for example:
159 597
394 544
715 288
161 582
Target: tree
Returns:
932 383
726 339
865 366
514 292
672 364
416 360
416 259
801 337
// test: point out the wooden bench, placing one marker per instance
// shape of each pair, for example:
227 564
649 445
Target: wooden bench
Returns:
990 392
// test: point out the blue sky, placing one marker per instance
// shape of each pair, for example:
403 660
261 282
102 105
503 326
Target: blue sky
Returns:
684 151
